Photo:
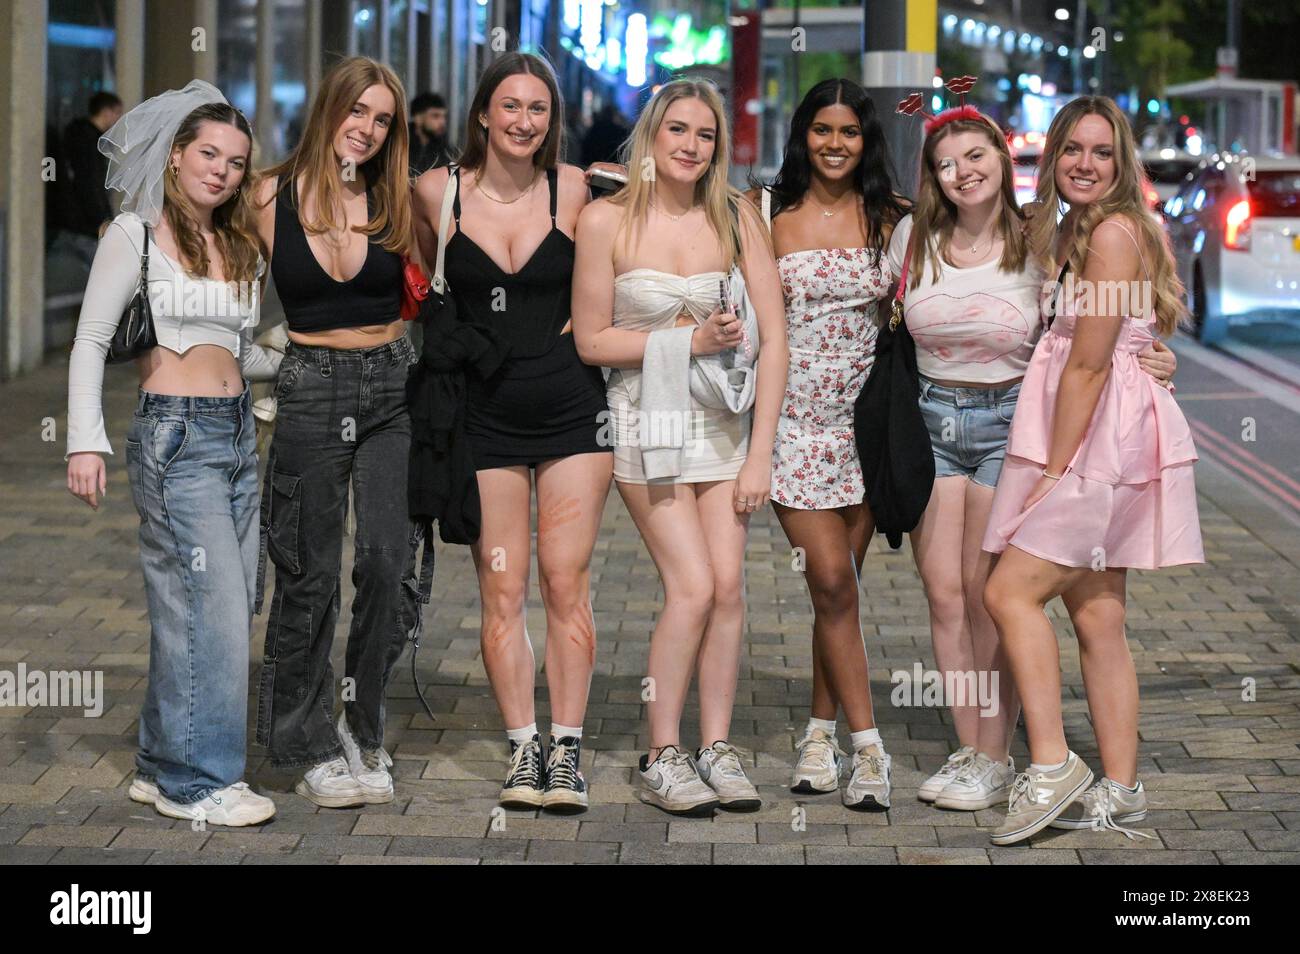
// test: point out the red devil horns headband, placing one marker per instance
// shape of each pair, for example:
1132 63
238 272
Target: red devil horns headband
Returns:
959 85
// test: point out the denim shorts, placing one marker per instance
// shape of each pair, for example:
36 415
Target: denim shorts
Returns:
968 429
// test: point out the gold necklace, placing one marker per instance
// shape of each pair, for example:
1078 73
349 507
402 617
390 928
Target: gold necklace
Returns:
826 213
478 184
675 218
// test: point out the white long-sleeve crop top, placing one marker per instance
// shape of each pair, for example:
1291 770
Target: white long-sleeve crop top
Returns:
187 311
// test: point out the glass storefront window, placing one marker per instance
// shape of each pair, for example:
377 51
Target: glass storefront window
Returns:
80 60
365 23
289 86
237 56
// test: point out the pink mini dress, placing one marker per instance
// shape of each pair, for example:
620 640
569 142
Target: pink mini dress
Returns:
1128 498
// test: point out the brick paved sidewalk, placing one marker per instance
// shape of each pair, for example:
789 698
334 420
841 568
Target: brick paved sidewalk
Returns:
1223 773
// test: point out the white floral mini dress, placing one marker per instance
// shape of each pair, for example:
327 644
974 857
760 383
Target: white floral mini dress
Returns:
831 297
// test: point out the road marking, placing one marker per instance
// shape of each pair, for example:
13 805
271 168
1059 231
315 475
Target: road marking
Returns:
1239 373
1279 368
1247 464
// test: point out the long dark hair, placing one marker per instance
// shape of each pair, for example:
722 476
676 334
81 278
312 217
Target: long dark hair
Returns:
873 179
511 64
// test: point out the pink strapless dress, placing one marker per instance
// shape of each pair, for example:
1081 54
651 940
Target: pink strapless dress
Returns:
1129 498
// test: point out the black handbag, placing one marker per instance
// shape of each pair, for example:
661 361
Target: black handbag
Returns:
889 430
135 332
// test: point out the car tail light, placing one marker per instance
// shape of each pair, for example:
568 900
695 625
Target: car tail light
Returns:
1236 231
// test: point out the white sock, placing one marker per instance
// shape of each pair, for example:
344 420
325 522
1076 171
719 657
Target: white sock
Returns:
565 731
1036 769
866 737
522 734
825 725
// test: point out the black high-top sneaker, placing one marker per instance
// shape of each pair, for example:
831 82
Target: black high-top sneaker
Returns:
524 781
566 789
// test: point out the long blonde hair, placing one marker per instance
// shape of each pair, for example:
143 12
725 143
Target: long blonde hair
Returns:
1125 197
722 204
234 222
387 173
934 214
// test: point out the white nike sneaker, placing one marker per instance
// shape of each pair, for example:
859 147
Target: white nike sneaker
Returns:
983 783
937 782
331 785
720 768
143 790
673 783
869 783
233 806
369 768
817 770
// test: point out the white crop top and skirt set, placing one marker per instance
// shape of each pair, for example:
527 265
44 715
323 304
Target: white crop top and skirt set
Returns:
716 441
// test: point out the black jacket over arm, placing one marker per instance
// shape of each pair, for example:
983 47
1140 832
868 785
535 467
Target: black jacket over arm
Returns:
442 482
893 441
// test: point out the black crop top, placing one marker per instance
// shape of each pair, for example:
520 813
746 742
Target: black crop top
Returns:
527 308
312 299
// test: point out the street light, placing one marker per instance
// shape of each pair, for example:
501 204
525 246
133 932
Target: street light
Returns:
1062 13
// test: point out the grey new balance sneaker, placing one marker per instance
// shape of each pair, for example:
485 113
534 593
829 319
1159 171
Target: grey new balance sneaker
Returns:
673 783
1106 806
720 768
1038 798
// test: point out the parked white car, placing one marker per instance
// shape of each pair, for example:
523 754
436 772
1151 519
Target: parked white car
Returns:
1235 228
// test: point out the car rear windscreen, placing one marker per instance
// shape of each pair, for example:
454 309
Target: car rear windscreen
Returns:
1275 193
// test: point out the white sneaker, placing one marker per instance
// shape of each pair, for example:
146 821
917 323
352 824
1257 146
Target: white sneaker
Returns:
982 783
869 785
234 806
143 790
673 783
369 768
937 782
720 768
1106 806
817 770
331 785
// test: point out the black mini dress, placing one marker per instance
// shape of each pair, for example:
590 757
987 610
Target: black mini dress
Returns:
543 402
